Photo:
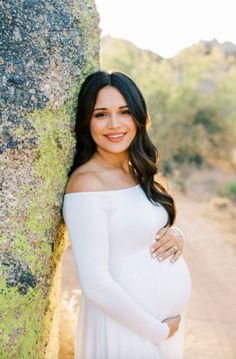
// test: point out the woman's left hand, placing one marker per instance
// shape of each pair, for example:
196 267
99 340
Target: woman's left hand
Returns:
169 242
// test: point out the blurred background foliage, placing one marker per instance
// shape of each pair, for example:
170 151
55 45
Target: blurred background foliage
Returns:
190 98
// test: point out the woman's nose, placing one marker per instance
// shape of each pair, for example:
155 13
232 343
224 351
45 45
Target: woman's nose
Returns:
113 120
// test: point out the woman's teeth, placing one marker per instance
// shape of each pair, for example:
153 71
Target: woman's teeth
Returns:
115 136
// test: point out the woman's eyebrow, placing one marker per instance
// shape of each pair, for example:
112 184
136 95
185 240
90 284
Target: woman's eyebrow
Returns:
104 108
101 108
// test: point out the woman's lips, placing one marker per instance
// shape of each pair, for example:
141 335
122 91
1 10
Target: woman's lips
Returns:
116 137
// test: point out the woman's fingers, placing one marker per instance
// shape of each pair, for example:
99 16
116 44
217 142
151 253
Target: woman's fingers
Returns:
176 256
169 244
161 233
161 243
165 251
159 248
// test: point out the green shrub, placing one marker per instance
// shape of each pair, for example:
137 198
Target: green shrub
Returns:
229 191
232 191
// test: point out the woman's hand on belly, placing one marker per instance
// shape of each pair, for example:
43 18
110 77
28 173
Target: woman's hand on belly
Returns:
169 242
173 324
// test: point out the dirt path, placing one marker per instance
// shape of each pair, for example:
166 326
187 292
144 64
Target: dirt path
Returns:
209 252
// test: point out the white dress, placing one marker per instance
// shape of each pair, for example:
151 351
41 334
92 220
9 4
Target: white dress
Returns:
126 293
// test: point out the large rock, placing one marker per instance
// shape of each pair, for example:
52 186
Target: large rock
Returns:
46 49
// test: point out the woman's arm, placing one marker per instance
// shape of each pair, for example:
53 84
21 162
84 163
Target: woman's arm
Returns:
169 242
87 219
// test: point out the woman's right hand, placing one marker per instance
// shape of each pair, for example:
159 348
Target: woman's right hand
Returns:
173 324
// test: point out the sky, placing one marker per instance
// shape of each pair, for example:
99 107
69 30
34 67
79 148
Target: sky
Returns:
167 26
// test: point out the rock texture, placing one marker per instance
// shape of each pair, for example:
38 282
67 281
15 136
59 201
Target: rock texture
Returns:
47 47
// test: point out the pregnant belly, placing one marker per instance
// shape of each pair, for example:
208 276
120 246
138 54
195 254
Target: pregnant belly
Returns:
162 288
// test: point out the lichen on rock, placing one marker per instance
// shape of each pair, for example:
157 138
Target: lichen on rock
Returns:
47 48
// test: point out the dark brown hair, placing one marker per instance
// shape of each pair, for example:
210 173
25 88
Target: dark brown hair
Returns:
143 154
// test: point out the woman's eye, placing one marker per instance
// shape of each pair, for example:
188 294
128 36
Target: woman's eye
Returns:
126 112
103 115
100 115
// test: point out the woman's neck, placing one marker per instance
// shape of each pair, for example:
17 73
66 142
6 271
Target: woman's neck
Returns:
113 160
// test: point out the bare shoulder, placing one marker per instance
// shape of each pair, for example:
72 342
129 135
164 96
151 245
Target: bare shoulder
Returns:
84 181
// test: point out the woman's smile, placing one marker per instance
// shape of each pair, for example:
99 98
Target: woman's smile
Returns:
116 137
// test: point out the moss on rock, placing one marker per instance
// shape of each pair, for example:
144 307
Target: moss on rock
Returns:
39 91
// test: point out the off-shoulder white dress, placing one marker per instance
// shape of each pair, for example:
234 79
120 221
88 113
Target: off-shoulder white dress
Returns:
126 293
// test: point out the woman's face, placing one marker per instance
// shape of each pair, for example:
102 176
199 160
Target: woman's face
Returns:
112 126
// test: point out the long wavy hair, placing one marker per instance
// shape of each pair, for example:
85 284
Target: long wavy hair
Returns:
143 155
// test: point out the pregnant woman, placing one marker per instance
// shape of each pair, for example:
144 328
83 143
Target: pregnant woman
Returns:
132 305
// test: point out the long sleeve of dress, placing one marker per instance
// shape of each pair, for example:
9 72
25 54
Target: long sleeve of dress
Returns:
87 219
